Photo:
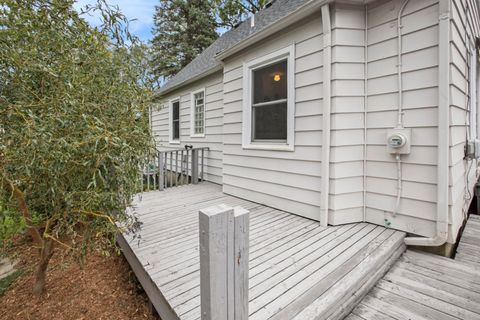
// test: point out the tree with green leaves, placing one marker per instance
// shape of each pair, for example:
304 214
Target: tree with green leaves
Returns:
182 30
231 12
73 127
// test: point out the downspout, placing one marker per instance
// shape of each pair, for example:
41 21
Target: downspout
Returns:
443 131
365 113
327 76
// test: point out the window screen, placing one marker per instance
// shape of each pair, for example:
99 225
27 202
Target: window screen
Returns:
269 114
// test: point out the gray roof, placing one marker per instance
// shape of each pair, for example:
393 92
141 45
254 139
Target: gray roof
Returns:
206 61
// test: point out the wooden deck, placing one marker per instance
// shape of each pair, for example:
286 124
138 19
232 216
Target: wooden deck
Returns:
468 250
426 286
298 269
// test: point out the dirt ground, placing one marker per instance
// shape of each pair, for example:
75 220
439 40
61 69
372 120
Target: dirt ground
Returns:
106 289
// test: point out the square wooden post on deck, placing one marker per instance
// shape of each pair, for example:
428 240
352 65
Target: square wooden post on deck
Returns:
224 263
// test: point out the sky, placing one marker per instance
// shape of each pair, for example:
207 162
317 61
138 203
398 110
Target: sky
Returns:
141 10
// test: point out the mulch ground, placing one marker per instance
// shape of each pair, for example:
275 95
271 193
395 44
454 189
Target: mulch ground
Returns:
105 288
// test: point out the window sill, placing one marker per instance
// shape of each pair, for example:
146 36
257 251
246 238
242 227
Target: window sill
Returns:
175 142
269 147
197 135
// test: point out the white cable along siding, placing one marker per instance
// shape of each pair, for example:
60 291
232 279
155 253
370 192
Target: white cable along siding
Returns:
417 210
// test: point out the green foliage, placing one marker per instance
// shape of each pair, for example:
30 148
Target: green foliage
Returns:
11 224
183 29
232 12
73 121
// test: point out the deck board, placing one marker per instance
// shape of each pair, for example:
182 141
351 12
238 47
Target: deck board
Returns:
425 286
468 251
292 260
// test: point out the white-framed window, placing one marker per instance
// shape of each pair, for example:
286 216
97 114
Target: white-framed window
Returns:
474 92
269 102
197 113
174 120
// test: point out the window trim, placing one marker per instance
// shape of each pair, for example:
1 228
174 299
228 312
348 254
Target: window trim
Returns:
287 53
170 120
192 114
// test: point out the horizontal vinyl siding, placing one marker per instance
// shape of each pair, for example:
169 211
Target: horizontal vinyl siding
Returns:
213 124
417 211
464 25
347 113
286 180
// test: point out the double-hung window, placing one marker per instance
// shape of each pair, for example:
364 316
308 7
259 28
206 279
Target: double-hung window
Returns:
268 102
175 121
197 111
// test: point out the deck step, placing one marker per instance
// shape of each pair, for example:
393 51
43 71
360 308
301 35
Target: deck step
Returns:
344 288
422 285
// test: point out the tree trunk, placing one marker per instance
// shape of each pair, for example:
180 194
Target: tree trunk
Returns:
22 205
40 274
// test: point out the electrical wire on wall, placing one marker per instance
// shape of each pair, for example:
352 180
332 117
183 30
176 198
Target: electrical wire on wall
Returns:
399 184
400 123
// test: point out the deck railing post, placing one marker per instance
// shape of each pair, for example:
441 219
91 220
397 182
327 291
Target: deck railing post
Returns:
161 181
195 166
203 164
224 263
154 174
148 174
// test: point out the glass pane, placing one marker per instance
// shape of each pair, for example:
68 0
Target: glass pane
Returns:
270 122
270 83
176 130
176 110
199 109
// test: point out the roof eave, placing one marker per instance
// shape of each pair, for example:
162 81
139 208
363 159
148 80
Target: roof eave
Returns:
161 93
289 19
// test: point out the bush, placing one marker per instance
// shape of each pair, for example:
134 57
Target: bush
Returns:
74 130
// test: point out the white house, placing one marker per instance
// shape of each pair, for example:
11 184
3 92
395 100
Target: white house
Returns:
339 111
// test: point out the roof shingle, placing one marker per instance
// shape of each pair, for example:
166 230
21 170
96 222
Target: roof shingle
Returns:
206 61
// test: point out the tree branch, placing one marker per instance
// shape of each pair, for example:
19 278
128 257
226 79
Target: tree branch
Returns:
255 8
22 205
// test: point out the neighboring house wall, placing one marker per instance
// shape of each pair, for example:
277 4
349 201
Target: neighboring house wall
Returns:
289 180
463 173
213 123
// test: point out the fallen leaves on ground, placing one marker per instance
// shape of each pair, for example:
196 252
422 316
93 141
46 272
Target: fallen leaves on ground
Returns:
105 289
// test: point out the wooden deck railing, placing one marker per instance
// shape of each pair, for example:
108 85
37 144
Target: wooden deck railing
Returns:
173 168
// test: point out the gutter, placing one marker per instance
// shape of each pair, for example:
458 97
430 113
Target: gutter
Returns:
443 131
290 18
326 115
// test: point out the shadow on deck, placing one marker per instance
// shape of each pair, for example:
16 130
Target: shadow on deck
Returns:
297 268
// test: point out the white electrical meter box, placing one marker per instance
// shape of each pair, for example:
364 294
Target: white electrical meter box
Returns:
472 149
399 140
